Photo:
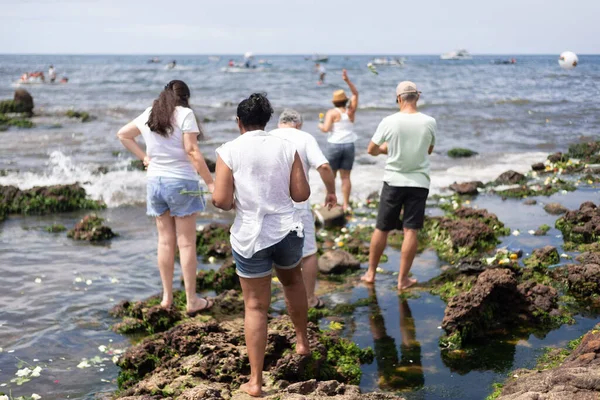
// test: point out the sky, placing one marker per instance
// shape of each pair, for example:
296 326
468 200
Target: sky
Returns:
298 27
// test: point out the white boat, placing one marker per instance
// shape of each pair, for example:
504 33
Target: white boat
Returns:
457 55
388 61
320 58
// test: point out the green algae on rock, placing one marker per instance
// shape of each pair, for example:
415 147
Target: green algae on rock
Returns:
46 199
90 228
225 278
213 241
542 258
214 355
458 152
56 228
580 226
467 232
81 115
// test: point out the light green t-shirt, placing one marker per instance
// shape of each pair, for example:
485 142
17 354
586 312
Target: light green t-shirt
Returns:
408 137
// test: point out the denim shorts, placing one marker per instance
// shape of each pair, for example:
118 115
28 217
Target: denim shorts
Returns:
286 254
163 194
340 155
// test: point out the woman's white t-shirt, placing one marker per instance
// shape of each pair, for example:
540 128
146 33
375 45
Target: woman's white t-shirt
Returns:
167 154
264 211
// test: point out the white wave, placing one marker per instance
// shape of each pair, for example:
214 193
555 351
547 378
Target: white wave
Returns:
114 188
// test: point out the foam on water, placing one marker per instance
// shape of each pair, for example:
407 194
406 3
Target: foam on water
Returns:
115 188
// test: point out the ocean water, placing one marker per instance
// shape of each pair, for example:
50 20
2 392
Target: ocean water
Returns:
513 115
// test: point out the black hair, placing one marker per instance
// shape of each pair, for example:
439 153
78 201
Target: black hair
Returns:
340 103
255 111
176 93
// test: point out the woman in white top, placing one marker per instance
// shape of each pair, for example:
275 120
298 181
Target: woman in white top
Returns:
339 124
174 161
259 175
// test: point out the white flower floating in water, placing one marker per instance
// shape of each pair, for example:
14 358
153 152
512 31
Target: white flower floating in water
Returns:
23 372
211 259
516 232
25 375
36 372
38 280
78 279
4 398
102 348
531 232
83 364
114 280
35 396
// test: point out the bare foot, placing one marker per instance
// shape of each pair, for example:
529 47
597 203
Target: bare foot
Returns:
303 348
198 305
368 278
167 301
406 283
252 390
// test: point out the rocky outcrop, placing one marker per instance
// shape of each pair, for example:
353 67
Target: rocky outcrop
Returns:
510 178
211 358
46 199
333 218
538 167
581 226
23 102
337 262
495 303
576 378
213 241
466 188
90 228
542 258
225 278
584 279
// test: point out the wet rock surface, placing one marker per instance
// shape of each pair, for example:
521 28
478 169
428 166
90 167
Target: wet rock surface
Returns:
555 209
542 258
46 199
337 262
225 278
581 226
91 228
495 303
510 178
213 241
576 378
466 188
209 358
333 218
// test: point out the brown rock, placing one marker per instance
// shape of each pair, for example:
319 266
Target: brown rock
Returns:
330 218
467 188
24 100
530 202
555 208
538 167
510 178
337 262
556 157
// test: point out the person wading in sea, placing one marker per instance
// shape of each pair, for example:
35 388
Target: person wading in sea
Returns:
339 124
290 123
174 162
261 176
407 137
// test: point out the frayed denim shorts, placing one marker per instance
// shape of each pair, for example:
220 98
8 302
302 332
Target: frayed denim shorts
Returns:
164 194
286 254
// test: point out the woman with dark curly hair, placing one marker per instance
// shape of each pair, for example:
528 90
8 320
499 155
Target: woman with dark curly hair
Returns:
174 162
261 175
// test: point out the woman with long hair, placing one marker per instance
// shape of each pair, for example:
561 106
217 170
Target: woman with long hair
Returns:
261 175
174 162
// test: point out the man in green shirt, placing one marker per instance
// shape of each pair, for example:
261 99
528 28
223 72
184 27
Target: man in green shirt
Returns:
407 137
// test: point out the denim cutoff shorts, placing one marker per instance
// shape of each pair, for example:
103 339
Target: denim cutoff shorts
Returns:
164 194
340 155
286 254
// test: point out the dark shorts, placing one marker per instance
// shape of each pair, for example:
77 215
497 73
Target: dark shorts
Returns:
340 155
396 198
286 254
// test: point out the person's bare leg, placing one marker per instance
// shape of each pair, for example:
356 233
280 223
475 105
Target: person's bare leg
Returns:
407 256
166 256
186 241
297 305
309 274
257 298
346 187
378 243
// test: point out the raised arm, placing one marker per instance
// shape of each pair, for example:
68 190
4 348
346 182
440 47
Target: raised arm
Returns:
223 194
354 99
299 188
190 144
127 135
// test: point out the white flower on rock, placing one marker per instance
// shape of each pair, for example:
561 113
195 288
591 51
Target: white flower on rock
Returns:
4 398
23 372
102 348
83 364
36 372
36 396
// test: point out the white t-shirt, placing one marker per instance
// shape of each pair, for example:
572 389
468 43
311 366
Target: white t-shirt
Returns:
308 149
265 214
167 154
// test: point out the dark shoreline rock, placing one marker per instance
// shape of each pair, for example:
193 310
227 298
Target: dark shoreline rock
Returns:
46 200
213 241
461 153
90 228
467 188
581 226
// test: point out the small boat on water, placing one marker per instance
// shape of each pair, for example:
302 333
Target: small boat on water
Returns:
214 58
388 61
154 60
457 55
320 58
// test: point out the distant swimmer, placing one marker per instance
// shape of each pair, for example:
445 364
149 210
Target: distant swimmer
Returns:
172 64
231 63
52 74
321 70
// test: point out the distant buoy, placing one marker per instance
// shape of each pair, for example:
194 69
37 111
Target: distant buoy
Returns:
568 60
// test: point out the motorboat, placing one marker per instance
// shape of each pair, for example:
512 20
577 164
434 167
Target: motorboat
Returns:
320 58
457 55
388 61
